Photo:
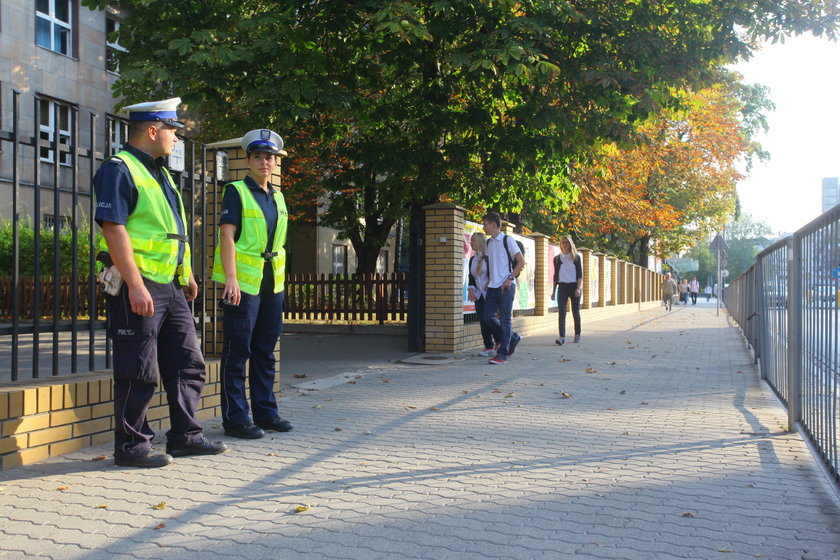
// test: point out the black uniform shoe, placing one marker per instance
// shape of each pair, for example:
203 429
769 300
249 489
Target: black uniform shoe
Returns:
276 425
147 460
201 446
245 431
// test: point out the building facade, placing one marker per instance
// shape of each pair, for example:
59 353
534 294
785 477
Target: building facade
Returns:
56 54
830 193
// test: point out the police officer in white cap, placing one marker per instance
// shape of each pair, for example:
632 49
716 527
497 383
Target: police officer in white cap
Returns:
250 261
150 282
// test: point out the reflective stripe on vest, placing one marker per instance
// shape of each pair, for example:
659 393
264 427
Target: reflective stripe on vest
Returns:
253 238
151 223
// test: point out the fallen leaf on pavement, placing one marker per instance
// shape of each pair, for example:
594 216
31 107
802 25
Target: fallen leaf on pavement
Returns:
161 505
643 402
301 509
561 360
591 370
607 409
62 488
653 356
102 506
465 391
329 400
622 392
337 429
434 408
565 395
299 375
318 406
411 407
99 458
688 514
612 363
161 526
496 391
510 395
386 381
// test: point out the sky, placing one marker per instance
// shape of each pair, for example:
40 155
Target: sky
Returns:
803 75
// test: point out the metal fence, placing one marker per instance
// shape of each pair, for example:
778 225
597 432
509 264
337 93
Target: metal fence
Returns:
788 306
50 188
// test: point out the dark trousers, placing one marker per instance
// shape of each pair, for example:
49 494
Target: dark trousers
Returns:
250 336
486 333
162 346
497 300
566 291
693 298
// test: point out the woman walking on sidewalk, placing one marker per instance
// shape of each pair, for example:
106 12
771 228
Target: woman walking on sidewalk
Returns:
479 279
568 279
669 290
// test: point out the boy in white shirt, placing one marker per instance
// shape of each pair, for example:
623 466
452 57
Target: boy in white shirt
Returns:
505 262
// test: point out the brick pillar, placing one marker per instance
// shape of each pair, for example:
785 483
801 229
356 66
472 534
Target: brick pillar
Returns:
542 283
613 280
444 287
602 279
585 260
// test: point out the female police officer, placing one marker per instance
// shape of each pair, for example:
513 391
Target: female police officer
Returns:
250 260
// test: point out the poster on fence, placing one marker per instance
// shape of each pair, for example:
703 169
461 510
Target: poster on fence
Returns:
524 284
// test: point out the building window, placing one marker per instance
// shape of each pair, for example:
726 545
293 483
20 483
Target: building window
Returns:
49 110
53 28
64 222
339 259
112 47
119 134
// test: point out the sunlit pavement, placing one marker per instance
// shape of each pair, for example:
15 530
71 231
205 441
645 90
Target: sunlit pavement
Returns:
652 438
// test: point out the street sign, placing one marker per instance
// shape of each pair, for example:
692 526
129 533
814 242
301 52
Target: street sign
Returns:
724 273
718 244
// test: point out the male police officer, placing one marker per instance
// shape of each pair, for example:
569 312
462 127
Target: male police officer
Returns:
143 222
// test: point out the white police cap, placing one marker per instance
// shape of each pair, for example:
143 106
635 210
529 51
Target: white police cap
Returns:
165 111
262 140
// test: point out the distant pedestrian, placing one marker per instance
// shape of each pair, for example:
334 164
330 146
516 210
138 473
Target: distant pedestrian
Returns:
568 281
694 289
683 288
708 291
479 278
505 262
669 290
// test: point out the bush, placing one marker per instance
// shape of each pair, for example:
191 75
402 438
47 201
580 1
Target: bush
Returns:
45 257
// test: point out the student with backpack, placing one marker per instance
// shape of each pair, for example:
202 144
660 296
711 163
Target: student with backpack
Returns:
505 262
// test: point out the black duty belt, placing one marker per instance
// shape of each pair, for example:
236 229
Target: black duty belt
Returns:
268 255
183 238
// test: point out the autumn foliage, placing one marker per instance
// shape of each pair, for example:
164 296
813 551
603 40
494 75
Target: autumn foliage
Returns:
674 184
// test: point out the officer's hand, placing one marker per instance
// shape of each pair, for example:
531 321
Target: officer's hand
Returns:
141 301
191 289
232 292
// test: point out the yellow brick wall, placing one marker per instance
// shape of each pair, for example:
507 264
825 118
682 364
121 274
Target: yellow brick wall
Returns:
55 416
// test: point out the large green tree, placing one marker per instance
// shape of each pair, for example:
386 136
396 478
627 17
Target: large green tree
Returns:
484 101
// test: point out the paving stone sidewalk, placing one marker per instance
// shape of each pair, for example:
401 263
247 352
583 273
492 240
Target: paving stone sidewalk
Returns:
652 438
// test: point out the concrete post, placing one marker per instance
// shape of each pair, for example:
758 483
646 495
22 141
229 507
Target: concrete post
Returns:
542 283
602 279
444 290
586 261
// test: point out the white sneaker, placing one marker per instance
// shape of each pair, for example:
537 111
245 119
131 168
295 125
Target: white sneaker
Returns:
487 352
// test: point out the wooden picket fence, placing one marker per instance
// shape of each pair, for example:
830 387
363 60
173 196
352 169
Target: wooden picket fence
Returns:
26 297
365 297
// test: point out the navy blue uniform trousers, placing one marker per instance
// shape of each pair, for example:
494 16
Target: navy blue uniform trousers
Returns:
162 346
250 335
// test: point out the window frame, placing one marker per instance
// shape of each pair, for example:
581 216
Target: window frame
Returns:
70 26
47 131
118 133
111 47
